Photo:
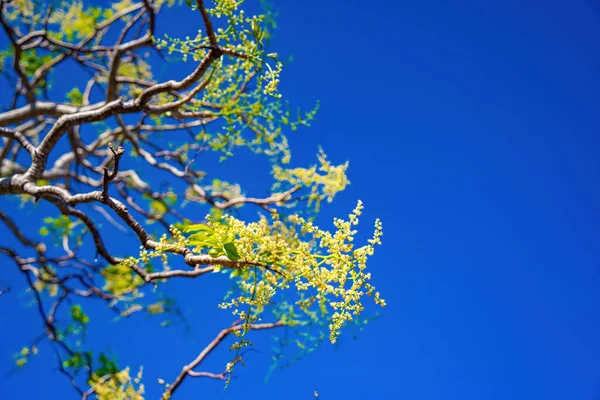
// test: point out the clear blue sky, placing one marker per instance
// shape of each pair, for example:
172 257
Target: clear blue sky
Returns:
472 131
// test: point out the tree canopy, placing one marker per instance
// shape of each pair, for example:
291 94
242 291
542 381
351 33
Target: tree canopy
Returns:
117 154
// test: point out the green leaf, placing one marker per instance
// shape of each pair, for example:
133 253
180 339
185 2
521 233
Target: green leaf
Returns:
170 198
197 238
231 252
78 315
107 366
77 361
197 228
108 13
216 214
158 207
75 96
202 240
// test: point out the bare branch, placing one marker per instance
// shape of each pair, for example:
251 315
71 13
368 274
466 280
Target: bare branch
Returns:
12 134
110 176
210 32
211 346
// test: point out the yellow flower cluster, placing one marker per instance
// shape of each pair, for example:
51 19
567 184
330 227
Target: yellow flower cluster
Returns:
163 247
253 117
325 268
226 189
324 181
120 279
225 7
23 10
119 386
272 78
22 357
43 278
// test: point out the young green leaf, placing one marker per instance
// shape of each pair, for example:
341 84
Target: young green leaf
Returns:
197 228
231 252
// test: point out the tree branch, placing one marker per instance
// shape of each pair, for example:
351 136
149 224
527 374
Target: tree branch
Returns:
211 346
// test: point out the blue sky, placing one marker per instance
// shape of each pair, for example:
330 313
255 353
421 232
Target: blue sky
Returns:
472 131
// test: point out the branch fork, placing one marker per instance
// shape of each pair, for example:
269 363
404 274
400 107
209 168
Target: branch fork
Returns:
110 176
